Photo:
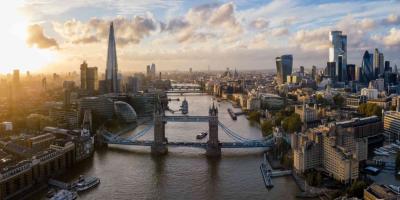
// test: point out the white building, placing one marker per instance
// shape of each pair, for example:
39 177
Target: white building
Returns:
391 124
370 93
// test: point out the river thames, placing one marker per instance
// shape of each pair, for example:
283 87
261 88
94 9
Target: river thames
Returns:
128 172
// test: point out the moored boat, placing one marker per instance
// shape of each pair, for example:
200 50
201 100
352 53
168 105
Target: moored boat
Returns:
65 195
85 183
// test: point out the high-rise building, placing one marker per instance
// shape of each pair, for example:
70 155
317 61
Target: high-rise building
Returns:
351 72
378 61
387 66
302 70
92 82
330 70
153 70
284 66
16 77
148 71
133 84
83 68
367 70
112 65
338 53
89 78
314 72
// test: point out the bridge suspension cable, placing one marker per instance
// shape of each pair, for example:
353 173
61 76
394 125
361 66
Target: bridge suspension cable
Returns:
141 133
236 136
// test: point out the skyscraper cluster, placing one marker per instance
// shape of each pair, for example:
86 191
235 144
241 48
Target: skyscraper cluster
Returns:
151 70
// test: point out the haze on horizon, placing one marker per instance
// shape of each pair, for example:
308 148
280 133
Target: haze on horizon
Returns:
49 36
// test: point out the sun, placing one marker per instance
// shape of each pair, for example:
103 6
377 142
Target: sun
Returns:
15 54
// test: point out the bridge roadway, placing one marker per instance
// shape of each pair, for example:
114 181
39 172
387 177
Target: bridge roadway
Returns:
195 144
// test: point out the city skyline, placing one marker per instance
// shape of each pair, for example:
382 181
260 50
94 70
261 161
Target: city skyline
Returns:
248 35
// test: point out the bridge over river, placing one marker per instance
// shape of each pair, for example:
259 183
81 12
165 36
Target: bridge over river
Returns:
213 145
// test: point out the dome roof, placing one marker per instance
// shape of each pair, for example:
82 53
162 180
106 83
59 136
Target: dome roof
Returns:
125 111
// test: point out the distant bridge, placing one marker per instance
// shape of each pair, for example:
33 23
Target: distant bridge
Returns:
183 89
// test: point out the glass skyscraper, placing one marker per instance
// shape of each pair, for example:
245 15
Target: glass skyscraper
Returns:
367 72
338 53
284 66
112 66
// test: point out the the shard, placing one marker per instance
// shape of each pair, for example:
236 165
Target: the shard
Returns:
112 66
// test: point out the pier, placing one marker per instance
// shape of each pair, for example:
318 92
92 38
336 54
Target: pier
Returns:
232 114
268 173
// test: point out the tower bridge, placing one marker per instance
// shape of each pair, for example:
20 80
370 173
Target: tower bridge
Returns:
213 145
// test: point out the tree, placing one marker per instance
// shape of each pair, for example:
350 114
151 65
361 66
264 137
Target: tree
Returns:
255 116
338 100
369 109
266 127
292 123
357 189
321 100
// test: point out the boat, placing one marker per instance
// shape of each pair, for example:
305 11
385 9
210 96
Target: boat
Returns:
201 135
65 195
51 193
185 107
85 183
394 188
232 114
380 153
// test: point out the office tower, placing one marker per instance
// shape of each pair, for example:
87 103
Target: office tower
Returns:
378 62
89 78
83 68
314 72
16 77
112 66
190 70
351 72
302 70
153 70
133 84
387 66
148 71
92 82
357 73
367 72
338 53
284 66
330 70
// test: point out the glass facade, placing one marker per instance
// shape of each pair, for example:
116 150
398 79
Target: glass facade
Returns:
367 72
284 66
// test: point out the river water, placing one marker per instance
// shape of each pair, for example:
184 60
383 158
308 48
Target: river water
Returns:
128 172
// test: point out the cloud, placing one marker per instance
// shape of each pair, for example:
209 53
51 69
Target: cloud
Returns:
127 31
176 24
37 38
392 39
311 40
259 23
279 32
205 22
392 19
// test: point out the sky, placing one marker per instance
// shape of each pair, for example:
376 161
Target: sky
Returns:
56 36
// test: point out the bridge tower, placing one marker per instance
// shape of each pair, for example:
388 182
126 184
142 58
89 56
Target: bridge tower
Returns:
160 141
213 145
